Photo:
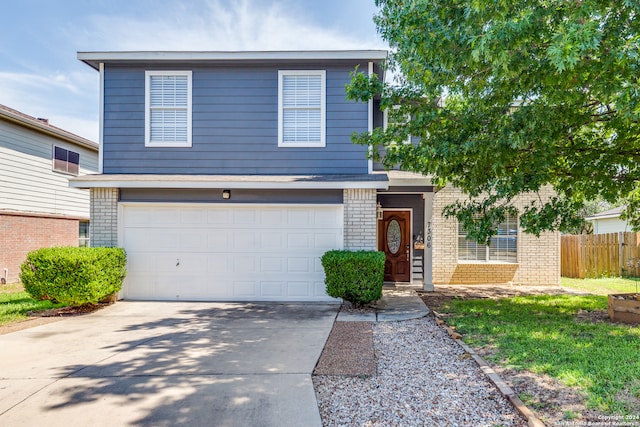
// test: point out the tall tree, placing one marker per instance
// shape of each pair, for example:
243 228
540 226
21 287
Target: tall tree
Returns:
508 96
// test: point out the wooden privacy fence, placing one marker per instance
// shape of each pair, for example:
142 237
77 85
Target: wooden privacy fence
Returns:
597 255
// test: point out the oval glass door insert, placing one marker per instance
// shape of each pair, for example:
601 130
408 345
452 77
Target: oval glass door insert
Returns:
393 236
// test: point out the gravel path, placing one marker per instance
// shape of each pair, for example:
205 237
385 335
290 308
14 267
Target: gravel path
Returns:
423 379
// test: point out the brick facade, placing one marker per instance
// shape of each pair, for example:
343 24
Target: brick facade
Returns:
360 219
538 258
104 217
22 233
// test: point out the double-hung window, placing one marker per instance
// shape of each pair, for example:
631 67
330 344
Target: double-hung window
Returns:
66 161
392 118
168 109
302 108
503 247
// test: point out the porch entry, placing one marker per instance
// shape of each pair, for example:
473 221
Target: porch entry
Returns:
394 239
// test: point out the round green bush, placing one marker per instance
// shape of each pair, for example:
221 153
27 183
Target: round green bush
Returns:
355 276
73 275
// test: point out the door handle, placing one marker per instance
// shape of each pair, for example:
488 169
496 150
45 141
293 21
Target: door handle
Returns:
408 252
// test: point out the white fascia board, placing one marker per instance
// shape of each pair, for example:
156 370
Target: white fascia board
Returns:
595 218
94 58
257 185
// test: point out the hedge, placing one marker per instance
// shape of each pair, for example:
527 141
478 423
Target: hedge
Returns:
355 276
73 275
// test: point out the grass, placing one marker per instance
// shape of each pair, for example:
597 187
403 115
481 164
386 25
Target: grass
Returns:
15 303
541 334
603 286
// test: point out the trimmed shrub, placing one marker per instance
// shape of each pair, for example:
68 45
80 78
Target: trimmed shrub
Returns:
73 275
356 277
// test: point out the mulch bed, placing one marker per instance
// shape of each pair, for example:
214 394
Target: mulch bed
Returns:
68 311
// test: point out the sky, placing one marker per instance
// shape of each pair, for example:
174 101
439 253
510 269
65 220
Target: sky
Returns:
39 40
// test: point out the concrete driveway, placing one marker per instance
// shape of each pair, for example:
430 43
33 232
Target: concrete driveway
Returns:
167 364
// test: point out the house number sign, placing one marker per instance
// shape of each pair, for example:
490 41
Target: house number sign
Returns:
427 240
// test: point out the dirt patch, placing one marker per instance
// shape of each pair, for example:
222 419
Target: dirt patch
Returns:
550 400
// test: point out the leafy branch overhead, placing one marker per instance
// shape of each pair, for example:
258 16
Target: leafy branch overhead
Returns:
506 97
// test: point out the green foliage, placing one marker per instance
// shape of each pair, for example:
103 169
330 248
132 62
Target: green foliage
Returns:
15 303
544 334
356 277
73 275
508 97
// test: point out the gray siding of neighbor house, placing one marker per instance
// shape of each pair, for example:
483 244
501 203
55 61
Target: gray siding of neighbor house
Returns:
235 124
214 195
27 180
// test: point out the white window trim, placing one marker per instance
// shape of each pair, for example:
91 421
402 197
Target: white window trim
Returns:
323 109
53 160
385 122
147 109
486 247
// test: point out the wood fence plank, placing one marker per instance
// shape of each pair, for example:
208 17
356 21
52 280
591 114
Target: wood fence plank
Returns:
597 255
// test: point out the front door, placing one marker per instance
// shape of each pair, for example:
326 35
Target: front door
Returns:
394 238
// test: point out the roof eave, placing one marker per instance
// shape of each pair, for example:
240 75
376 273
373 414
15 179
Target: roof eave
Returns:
93 59
49 130
212 181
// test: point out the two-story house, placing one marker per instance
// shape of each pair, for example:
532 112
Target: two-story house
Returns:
226 175
37 207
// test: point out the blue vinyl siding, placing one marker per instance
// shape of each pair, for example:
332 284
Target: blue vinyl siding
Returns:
235 125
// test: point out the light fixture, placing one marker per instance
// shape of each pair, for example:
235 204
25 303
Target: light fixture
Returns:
226 194
379 211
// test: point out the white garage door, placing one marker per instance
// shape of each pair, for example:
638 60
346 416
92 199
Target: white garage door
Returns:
228 252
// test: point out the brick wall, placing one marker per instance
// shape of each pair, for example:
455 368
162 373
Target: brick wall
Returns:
538 258
20 234
104 217
359 219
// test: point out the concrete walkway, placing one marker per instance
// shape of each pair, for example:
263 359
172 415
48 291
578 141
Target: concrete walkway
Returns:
395 305
167 364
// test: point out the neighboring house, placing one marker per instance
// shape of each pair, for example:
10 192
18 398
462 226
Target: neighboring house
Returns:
226 175
609 221
37 207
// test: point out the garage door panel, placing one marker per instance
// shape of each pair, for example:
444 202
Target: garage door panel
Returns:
299 218
298 265
248 216
219 263
245 288
218 240
272 289
192 217
325 241
219 216
246 240
299 289
245 263
212 252
192 241
274 218
272 240
270 264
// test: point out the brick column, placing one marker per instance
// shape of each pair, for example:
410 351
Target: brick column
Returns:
104 217
360 219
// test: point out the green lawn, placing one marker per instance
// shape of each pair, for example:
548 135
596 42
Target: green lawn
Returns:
541 334
603 286
15 303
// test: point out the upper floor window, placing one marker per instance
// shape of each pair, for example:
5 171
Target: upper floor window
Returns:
66 161
503 247
392 118
302 108
168 109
